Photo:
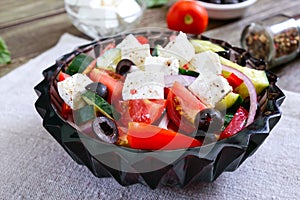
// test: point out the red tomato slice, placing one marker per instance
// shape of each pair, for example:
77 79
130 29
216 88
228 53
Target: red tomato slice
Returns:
142 39
111 80
141 110
65 110
188 16
236 124
62 76
150 137
182 107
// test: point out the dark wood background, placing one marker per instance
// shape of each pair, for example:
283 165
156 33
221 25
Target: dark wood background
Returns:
31 27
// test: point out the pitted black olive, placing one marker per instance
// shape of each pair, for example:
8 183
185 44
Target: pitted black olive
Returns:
124 66
98 88
105 129
223 1
209 120
230 1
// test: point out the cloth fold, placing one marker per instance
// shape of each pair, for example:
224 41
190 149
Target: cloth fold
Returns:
34 166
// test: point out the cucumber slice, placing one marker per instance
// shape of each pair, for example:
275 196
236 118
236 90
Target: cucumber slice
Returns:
230 100
84 114
258 77
103 106
109 59
183 71
156 50
204 45
79 64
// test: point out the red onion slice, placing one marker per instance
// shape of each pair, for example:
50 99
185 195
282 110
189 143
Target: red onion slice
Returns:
183 79
251 91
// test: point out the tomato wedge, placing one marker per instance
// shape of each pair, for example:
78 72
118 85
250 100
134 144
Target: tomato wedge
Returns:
236 124
142 39
141 110
150 137
65 110
62 76
111 80
182 107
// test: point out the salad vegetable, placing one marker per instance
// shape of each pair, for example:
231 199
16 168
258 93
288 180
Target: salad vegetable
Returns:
164 101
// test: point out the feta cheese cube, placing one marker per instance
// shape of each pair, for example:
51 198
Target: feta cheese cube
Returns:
143 85
129 10
129 42
210 88
99 17
169 66
71 89
137 54
181 48
207 61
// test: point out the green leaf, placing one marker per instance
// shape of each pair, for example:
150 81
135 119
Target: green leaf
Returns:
4 53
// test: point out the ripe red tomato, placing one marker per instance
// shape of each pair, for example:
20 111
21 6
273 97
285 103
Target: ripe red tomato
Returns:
140 110
187 16
182 107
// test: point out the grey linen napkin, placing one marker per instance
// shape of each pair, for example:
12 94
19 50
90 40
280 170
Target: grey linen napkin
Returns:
34 166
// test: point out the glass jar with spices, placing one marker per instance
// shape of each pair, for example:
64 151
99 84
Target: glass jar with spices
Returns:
275 39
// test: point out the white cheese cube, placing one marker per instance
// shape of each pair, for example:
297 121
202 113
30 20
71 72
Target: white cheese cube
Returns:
129 42
181 48
169 66
207 61
99 17
143 85
129 10
137 54
71 89
210 88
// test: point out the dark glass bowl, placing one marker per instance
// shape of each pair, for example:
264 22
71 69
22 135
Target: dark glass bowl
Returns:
169 167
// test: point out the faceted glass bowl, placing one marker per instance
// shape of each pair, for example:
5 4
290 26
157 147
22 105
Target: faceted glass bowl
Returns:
96 21
165 167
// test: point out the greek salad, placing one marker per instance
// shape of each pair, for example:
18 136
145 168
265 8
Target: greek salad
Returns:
163 98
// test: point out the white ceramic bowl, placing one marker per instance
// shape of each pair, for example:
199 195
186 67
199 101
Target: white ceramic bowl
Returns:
227 11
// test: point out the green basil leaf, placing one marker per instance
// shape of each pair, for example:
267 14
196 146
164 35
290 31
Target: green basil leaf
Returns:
4 53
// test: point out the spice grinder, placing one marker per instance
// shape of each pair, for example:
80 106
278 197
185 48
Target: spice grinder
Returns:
275 39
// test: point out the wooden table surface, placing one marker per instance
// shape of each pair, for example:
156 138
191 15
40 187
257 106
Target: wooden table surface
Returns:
31 27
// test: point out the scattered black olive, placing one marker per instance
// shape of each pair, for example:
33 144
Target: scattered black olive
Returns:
98 88
124 66
209 120
105 129
213 1
223 1
230 1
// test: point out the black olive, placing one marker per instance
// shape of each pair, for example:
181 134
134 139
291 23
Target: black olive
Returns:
98 88
105 129
209 120
230 1
124 66
215 1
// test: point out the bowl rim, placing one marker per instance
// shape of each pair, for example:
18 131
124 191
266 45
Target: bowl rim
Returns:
220 7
